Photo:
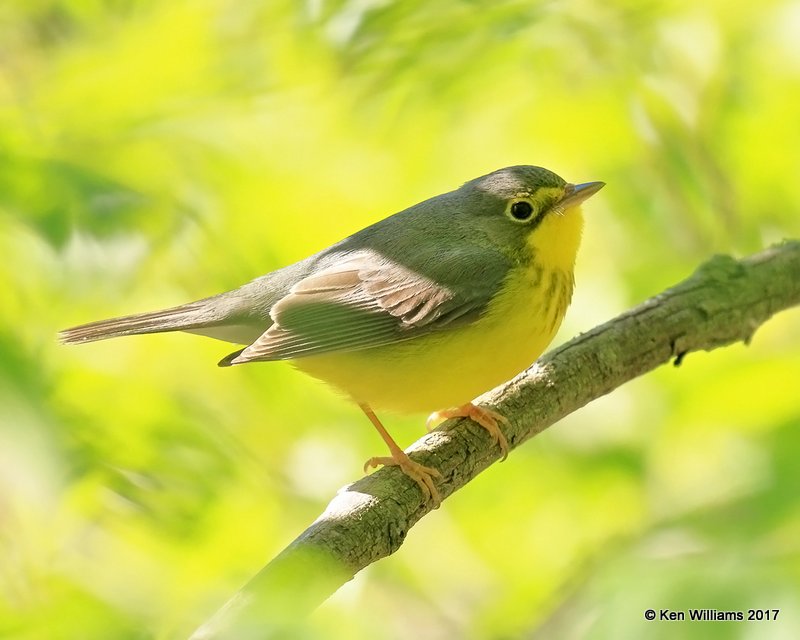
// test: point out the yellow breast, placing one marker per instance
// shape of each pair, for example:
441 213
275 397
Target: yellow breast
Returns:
451 367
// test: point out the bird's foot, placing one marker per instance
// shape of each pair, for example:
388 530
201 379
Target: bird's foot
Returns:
486 418
419 473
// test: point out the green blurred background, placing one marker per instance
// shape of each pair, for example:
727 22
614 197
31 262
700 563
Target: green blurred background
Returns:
157 152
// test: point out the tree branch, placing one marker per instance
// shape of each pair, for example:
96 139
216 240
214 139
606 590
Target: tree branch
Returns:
723 302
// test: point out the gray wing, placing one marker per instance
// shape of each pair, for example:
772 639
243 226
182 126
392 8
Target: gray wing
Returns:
366 299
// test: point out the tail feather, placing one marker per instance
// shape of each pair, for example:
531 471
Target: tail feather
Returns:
194 315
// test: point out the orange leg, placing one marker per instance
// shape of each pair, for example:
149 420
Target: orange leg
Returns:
420 474
486 418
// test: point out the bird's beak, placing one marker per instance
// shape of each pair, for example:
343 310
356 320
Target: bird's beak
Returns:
574 194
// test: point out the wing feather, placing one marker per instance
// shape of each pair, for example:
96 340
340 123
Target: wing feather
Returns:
366 300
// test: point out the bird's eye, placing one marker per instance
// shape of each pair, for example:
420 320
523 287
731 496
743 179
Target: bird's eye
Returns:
521 210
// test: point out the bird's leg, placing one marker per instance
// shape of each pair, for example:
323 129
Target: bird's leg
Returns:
486 418
420 474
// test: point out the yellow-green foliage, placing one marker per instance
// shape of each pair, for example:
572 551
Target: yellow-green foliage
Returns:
156 152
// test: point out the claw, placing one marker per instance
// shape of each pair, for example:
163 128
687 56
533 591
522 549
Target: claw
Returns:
486 418
419 473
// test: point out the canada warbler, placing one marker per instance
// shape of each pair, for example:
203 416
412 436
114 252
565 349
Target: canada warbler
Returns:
422 311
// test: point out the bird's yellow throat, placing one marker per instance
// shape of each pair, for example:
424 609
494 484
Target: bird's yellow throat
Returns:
554 243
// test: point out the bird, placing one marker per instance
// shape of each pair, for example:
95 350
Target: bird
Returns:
420 312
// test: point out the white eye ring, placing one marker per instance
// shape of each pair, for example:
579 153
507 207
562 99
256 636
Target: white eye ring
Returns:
520 210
